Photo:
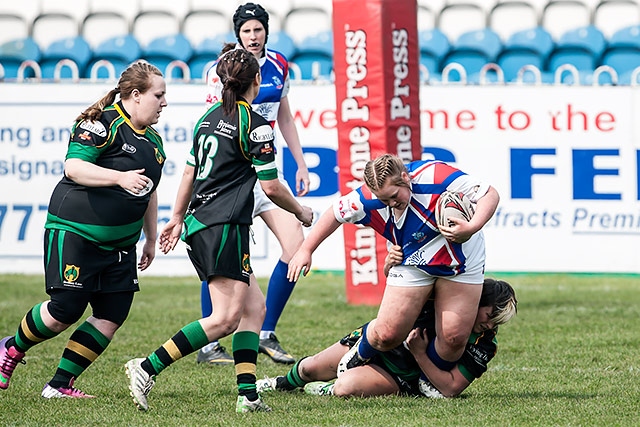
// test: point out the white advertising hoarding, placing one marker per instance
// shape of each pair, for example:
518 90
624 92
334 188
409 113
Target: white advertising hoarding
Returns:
564 160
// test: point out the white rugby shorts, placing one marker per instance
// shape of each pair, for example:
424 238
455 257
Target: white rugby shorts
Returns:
261 202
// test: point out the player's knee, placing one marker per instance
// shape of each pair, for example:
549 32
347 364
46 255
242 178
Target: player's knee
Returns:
342 389
384 338
64 311
229 327
307 369
453 341
225 322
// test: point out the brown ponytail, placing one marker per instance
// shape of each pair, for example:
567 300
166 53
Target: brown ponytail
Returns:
237 69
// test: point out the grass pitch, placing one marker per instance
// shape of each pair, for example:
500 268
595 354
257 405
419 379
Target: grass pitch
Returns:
570 357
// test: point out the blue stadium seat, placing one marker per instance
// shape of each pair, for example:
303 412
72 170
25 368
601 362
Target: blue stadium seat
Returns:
623 79
623 51
315 56
206 52
488 74
525 47
282 42
472 60
75 48
537 39
485 40
581 47
512 59
14 52
433 45
589 37
474 49
124 47
165 49
583 77
627 36
321 42
622 59
119 51
578 56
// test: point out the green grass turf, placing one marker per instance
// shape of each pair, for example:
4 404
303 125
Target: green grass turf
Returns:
569 358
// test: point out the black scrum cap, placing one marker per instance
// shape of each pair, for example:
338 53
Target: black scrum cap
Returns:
247 12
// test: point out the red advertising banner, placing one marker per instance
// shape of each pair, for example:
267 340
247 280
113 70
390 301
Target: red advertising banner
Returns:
377 103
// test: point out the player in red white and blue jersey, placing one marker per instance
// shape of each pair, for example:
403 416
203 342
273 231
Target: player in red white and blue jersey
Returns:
274 68
398 201
251 26
416 230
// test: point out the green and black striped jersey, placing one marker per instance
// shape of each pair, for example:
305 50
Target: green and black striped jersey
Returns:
228 154
480 349
111 217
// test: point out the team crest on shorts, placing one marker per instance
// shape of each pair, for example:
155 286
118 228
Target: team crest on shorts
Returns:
246 265
71 273
357 333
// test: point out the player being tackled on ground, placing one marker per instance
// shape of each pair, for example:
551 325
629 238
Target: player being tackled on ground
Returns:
405 369
398 201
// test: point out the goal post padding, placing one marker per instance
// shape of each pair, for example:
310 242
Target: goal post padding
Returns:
376 64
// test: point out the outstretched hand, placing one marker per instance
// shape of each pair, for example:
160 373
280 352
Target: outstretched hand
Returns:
300 263
170 235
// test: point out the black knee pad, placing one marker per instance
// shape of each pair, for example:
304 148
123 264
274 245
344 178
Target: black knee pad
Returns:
67 306
113 307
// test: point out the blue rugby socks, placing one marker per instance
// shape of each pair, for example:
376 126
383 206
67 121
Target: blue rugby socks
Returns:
365 350
440 363
278 293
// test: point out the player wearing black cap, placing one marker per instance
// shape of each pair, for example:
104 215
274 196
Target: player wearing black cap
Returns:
247 12
251 27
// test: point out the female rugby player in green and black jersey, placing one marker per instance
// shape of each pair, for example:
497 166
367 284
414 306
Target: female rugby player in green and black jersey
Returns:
97 211
406 369
232 148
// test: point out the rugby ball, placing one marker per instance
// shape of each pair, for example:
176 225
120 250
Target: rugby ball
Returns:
452 204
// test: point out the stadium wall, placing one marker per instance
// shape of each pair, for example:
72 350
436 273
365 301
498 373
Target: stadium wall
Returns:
564 159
